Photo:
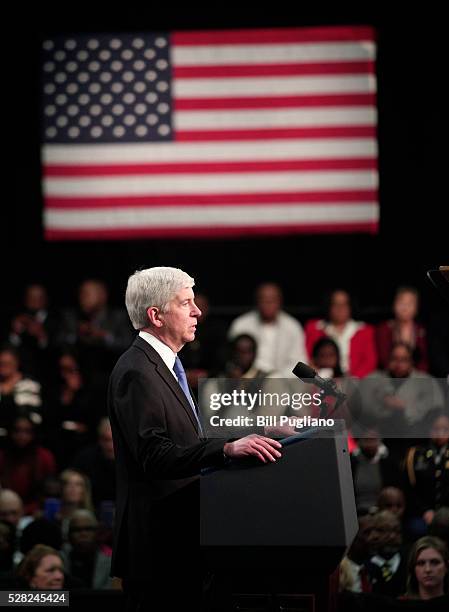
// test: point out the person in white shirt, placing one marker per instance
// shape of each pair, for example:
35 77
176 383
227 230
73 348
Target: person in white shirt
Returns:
279 336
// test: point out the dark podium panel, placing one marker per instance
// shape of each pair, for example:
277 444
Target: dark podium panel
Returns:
282 526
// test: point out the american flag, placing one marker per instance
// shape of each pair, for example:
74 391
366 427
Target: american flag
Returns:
209 133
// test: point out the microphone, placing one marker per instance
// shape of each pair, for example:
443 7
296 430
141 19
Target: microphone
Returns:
308 374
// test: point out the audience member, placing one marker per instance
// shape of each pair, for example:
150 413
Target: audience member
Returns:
16 389
33 331
427 473
439 527
82 556
392 499
97 463
401 399
403 328
373 469
99 332
279 336
11 510
42 569
71 410
387 567
24 463
428 568
354 339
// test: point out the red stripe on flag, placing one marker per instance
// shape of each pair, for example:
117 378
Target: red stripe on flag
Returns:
210 232
255 70
353 131
233 199
363 99
307 165
274 35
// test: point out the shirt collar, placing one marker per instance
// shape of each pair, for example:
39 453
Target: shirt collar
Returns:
165 352
393 562
382 453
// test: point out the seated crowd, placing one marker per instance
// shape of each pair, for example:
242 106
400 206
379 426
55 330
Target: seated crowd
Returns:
57 456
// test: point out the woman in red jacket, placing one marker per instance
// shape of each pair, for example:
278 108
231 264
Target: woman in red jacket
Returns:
403 328
354 339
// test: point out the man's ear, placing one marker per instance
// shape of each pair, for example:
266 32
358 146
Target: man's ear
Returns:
153 314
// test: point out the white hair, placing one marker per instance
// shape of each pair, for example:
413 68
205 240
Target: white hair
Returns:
153 287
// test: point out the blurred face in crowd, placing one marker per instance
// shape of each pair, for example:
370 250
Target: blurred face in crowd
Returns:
440 431
340 308
22 433
385 537
430 570
244 354
92 296
370 444
73 490
405 306
326 357
105 441
400 364
392 499
49 574
36 298
9 365
83 534
269 302
11 508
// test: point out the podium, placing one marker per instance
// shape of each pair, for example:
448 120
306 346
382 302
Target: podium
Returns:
281 528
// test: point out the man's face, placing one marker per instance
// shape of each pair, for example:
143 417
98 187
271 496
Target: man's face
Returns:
179 322
83 533
401 363
92 296
269 302
11 511
440 431
9 365
385 537
35 298
393 500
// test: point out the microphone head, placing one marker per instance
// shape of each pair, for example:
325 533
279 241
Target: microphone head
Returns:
303 371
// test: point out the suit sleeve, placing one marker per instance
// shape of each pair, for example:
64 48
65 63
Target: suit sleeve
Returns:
140 407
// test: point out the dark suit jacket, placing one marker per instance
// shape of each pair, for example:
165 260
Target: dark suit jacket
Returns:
158 457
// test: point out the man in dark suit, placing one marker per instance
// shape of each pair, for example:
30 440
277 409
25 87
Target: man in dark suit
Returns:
158 447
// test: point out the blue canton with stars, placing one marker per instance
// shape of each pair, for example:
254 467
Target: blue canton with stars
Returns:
106 88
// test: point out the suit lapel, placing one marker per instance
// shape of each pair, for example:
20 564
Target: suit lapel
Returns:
167 376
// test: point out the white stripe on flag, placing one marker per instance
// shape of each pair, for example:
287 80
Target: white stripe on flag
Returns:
244 182
193 216
216 55
161 152
234 87
289 117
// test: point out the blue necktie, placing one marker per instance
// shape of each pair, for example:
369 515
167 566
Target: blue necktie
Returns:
178 369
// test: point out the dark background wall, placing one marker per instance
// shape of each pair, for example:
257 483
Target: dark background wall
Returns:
413 106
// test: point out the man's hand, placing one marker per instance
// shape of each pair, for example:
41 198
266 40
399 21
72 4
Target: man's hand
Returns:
253 445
